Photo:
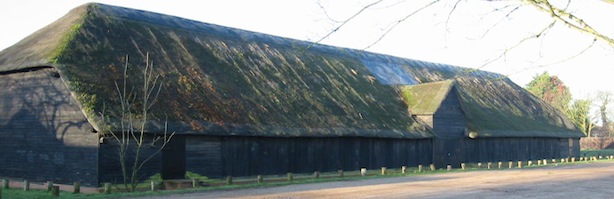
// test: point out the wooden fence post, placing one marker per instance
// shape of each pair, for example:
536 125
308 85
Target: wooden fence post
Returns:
316 174
340 173
489 165
403 169
520 164
479 165
77 187
384 171
26 185
228 180
529 163
55 191
194 183
432 166
539 162
463 166
363 172
545 162
107 188
5 183
419 168
49 185
290 177
153 186
259 179
500 164
449 167
510 164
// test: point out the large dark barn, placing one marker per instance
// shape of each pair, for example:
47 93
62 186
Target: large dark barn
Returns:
242 103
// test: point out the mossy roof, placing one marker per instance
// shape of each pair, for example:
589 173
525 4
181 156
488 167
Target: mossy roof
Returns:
500 108
493 107
224 81
215 80
425 99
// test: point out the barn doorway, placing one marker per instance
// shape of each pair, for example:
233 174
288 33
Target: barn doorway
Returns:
173 159
448 151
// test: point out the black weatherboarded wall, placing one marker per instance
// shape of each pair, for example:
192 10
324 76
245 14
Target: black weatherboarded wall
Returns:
43 133
517 149
247 156
449 125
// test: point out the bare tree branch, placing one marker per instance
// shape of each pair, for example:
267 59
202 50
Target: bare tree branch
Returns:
507 16
131 137
399 22
569 19
348 20
504 53
326 13
556 62
451 13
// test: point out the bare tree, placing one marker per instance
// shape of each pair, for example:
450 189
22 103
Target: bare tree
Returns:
605 100
557 12
579 113
562 14
131 138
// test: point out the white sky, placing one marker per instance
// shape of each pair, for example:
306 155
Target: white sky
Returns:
424 36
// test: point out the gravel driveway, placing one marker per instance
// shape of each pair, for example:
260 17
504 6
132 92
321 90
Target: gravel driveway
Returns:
592 180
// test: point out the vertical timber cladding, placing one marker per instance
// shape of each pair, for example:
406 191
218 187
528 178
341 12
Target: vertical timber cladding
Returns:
174 158
569 147
502 149
515 149
109 166
449 125
203 155
43 133
217 157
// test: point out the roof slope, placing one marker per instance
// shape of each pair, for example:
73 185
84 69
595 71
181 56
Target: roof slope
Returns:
216 80
493 108
500 108
220 80
425 99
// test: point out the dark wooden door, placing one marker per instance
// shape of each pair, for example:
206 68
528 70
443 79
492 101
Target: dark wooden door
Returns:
448 151
173 159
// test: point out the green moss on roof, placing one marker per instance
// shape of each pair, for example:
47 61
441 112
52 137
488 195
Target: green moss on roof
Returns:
500 108
425 99
225 81
42 47
493 107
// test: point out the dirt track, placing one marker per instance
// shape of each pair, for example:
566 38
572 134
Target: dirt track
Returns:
594 180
